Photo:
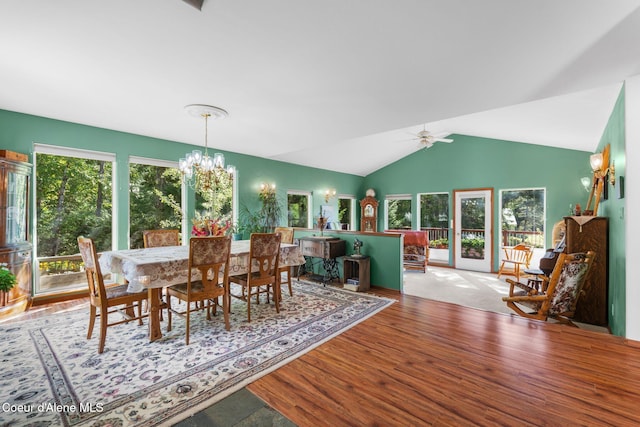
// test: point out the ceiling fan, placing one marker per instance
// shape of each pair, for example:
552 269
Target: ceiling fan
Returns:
426 139
195 3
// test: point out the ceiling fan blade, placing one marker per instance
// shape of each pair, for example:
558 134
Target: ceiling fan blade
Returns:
443 140
195 3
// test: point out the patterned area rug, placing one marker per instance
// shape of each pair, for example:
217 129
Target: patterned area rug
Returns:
52 375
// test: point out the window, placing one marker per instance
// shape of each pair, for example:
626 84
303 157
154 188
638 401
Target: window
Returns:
398 208
155 191
299 209
346 211
522 219
73 197
434 218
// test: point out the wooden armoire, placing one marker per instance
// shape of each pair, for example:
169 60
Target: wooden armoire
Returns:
584 234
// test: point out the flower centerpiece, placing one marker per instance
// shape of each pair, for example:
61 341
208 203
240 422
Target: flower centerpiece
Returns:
203 225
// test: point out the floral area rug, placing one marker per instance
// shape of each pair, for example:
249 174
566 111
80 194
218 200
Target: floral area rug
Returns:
50 374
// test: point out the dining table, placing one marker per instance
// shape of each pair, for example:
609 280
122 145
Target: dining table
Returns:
156 268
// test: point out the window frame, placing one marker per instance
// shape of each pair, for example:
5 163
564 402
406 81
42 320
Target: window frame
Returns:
78 153
308 194
184 224
392 197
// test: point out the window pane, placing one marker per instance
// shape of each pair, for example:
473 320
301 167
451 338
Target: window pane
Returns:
73 198
523 217
298 210
344 213
434 218
154 200
399 214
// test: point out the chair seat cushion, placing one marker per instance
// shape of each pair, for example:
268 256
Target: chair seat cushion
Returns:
196 286
122 291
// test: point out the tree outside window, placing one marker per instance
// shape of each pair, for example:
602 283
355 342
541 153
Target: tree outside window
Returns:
154 200
523 217
399 214
73 198
298 210
434 218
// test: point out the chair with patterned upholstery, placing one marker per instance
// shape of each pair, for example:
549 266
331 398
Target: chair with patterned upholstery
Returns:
559 299
210 256
157 238
264 256
107 300
286 234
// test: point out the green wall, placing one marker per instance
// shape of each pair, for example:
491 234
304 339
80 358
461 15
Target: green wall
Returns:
613 208
384 249
472 162
18 132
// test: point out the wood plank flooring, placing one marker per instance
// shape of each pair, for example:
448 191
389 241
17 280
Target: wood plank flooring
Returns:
422 362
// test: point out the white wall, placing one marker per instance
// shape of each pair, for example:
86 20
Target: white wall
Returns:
632 203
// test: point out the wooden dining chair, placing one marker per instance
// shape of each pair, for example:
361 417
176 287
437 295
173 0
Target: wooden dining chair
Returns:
559 297
515 260
286 236
163 237
107 300
210 256
264 256
158 238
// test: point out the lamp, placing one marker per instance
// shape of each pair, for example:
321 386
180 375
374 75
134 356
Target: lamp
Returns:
601 169
200 171
586 182
267 190
329 194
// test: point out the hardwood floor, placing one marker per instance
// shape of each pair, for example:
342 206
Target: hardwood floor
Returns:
422 362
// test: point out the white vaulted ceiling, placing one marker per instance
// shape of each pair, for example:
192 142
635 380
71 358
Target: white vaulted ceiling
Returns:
323 83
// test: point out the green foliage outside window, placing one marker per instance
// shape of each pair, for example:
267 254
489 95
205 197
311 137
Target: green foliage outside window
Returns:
298 210
399 214
73 198
154 200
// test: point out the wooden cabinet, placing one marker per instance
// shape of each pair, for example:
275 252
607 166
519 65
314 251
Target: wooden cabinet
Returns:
327 249
356 271
15 248
584 234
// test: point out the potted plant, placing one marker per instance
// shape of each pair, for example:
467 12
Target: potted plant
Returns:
236 232
7 282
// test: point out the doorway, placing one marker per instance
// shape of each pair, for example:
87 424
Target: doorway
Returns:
473 219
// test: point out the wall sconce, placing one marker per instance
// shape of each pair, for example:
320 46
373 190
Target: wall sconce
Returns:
329 194
601 169
267 189
586 183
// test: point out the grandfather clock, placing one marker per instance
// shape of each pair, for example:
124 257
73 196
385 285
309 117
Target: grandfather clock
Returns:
369 212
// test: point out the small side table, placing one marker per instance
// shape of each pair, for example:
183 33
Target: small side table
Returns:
356 272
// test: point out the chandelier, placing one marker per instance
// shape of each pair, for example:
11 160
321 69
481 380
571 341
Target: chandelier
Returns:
201 171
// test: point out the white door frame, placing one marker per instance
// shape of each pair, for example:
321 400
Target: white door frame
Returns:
466 263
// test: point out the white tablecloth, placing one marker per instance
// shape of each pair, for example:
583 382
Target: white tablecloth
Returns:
166 266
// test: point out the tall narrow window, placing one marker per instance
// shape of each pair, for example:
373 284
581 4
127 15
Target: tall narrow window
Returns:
398 209
155 191
434 218
73 198
298 209
346 212
522 217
